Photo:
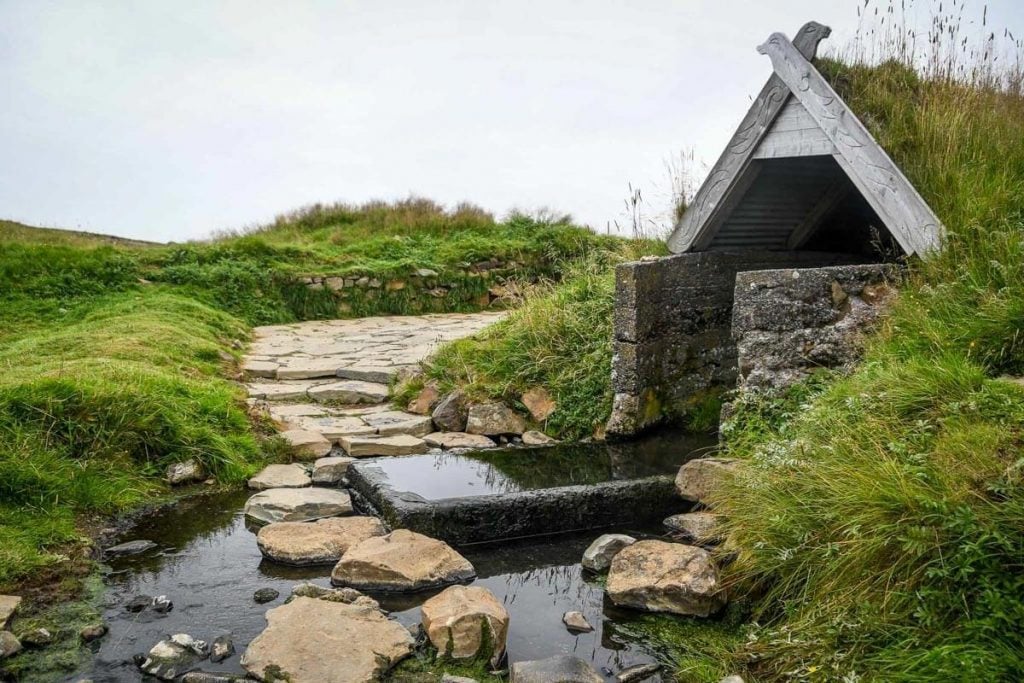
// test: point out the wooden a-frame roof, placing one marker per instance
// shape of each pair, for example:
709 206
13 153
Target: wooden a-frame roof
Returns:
799 119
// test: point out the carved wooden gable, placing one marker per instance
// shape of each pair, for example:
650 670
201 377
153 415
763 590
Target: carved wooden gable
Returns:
800 165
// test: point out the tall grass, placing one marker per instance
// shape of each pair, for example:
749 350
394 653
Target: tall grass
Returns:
881 520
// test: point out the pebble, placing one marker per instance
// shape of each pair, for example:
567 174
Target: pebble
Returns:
93 632
637 672
265 595
139 603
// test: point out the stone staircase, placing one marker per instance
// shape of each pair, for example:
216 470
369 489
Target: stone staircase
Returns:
325 383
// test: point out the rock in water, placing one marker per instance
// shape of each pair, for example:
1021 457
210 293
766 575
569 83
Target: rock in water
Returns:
184 472
697 479
535 438
9 645
449 440
281 477
162 604
330 470
316 641
457 619
297 505
575 622
450 413
559 669
656 576
321 542
494 419
264 595
93 632
223 647
139 603
173 656
401 561
129 548
349 596
637 672
697 528
599 554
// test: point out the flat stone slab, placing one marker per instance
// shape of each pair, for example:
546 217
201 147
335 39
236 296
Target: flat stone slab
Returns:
331 470
368 373
319 641
281 477
333 427
129 548
259 369
297 505
558 669
350 391
321 542
306 368
369 446
306 443
458 440
295 390
286 412
393 422
8 606
401 561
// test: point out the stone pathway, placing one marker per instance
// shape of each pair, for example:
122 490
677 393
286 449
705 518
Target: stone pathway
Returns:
325 383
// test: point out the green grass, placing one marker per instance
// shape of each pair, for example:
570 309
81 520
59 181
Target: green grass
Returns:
559 339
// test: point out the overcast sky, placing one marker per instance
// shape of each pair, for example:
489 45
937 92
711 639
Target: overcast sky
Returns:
167 120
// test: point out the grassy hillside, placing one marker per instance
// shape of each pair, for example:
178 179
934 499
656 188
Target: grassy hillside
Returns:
116 359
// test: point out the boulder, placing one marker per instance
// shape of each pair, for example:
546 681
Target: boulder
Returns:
281 477
349 596
9 645
369 446
599 554
457 619
321 542
698 478
425 401
173 656
297 505
450 440
391 422
494 419
184 472
401 561
558 669
316 641
656 576
535 438
450 413
93 632
129 548
540 404
8 606
305 444
222 648
696 528
575 622
330 470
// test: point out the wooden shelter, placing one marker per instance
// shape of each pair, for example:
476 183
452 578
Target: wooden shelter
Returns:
803 173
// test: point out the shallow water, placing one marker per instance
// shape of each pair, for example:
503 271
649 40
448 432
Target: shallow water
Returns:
208 564
435 476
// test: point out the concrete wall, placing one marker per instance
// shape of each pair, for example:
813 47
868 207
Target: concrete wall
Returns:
788 322
673 338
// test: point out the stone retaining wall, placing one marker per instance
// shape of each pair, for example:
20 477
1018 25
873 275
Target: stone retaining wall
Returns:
673 329
786 323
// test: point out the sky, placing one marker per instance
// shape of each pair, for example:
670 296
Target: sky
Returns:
171 120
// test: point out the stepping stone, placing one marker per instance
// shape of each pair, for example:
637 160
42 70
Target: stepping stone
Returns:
599 555
398 422
260 368
561 668
281 391
286 412
368 446
330 470
401 561
307 444
368 373
697 528
333 427
319 641
281 477
656 576
321 542
449 440
308 368
297 505
455 620
350 391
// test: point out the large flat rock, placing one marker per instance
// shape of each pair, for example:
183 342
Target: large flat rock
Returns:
297 505
392 422
282 391
458 440
369 446
318 641
350 391
333 427
401 561
558 669
281 477
306 444
321 542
